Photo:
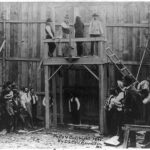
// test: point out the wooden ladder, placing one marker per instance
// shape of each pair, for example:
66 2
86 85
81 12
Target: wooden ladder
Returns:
116 61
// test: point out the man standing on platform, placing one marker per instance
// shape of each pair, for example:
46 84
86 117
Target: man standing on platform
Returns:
50 35
64 33
79 33
95 30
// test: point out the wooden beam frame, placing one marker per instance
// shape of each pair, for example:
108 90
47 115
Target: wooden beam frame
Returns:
55 72
47 118
61 40
46 73
90 71
61 98
130 25
53 58
54 100
3 44
84 60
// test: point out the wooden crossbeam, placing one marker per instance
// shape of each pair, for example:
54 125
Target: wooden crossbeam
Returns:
39 67
98 39
89 70
83 60
55 72
2 45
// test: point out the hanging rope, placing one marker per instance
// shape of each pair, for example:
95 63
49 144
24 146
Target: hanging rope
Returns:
142 60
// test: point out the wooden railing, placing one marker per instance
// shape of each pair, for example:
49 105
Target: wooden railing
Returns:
60 43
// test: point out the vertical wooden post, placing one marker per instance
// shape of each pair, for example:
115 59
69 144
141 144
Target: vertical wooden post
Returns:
102 90
4 48
54 101
61 98
54 24
47 118
101 98
46 73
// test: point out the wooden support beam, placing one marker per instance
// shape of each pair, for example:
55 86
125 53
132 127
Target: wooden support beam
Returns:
46 73
22 59
55 72
54 59
61 97
102 97
47 118
54 100
40 64
2 46
89 70
129 25
82 60
4 52
58 40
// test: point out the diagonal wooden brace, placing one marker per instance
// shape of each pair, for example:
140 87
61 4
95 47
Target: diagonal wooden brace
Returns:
2 45
55 72
39 67
89 70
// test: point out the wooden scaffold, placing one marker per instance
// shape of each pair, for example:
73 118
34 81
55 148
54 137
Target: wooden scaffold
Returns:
99 60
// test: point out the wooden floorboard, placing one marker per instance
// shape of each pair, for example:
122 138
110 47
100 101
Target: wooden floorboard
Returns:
83 60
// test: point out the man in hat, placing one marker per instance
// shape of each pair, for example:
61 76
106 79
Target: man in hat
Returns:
50 35
131 108
95 30
34 100
65 33
65 29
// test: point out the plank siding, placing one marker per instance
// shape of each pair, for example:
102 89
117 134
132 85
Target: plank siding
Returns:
124 25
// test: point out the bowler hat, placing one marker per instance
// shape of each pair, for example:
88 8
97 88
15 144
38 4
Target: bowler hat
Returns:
95 15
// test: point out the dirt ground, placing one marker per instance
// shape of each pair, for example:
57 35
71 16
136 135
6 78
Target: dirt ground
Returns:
54 139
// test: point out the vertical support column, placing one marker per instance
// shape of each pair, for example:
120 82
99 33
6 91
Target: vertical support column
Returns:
4 48
46 73
102 90
54 24
54 100
47 118
101 98
61 98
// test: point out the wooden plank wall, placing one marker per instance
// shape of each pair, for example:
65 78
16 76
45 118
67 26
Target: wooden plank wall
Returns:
24 40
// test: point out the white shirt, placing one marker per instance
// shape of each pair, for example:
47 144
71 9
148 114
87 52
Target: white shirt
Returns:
95 27
49 30
77 101
25 99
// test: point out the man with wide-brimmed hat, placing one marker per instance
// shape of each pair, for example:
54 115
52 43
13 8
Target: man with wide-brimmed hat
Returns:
65 33
95 30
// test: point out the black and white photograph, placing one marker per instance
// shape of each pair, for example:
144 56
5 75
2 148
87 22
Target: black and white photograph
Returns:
74 74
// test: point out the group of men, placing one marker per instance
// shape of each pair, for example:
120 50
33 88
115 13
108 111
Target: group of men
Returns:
17 107
124 106
95 30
